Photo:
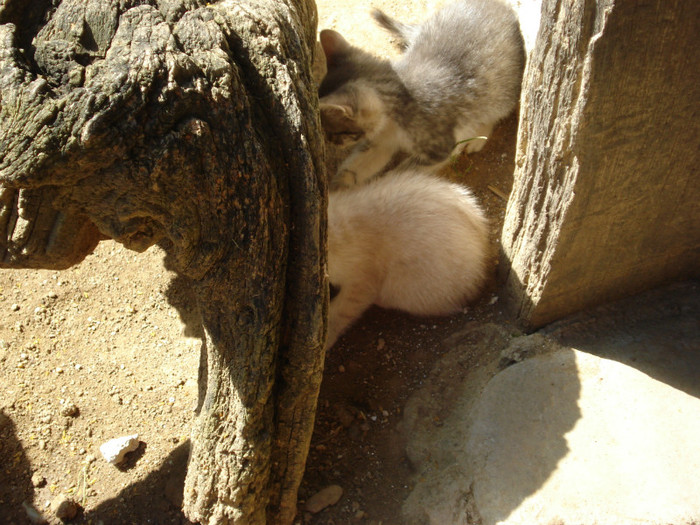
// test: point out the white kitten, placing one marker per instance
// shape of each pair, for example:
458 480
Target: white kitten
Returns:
408 241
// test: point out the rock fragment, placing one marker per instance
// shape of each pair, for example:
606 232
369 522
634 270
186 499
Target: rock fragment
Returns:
324 498
38 480
64 508
115 449
34 515
70 410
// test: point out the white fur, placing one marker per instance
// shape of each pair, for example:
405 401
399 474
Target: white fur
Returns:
408 241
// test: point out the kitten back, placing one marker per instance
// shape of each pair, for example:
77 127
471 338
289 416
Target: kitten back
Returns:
425 239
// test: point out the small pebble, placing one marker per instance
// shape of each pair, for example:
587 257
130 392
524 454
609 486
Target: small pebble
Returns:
324 498
70 410
64 507
34 515
381 344
14 307
345 417
38 480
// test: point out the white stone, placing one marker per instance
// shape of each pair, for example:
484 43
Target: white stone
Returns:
324 498
567 438
574 438
114 450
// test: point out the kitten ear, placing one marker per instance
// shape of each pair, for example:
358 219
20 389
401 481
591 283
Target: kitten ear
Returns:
336 112
341 123
333 45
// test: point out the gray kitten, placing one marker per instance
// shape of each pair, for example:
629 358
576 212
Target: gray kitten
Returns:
459 74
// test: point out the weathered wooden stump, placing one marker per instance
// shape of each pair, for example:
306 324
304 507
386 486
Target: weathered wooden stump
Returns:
193 126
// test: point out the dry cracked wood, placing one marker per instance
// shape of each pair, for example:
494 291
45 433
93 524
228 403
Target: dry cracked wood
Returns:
193 125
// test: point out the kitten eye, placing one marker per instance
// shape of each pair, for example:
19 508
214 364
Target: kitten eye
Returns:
344 138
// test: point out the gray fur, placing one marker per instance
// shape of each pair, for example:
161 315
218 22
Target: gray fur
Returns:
459 75
404 32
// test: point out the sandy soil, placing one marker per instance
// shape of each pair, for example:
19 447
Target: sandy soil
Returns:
101 350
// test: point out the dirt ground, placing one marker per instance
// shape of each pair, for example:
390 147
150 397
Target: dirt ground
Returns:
101 351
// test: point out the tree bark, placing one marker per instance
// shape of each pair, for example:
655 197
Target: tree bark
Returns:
604 202
35 235
193 125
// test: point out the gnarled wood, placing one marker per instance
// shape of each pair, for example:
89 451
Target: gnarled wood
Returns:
193 125
35 235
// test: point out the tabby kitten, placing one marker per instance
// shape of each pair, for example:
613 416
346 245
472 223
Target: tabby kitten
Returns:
408 241
459 74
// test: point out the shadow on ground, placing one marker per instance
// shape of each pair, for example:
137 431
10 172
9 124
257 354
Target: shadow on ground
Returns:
656 332
15 478
155 499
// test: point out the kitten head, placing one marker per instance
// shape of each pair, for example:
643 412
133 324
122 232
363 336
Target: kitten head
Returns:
351 113
339 124
345 63
350 104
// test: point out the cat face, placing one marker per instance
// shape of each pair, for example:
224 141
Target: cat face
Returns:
340 125
352 113
350 105
339 103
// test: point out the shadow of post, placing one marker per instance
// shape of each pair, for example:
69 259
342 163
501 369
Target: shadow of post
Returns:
155 499
656 332
15 474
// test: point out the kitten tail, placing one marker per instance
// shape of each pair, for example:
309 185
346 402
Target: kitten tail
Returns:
404 32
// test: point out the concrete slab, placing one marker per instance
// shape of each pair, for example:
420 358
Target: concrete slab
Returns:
595 421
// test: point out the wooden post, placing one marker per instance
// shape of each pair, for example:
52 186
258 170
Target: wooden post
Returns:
607 179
